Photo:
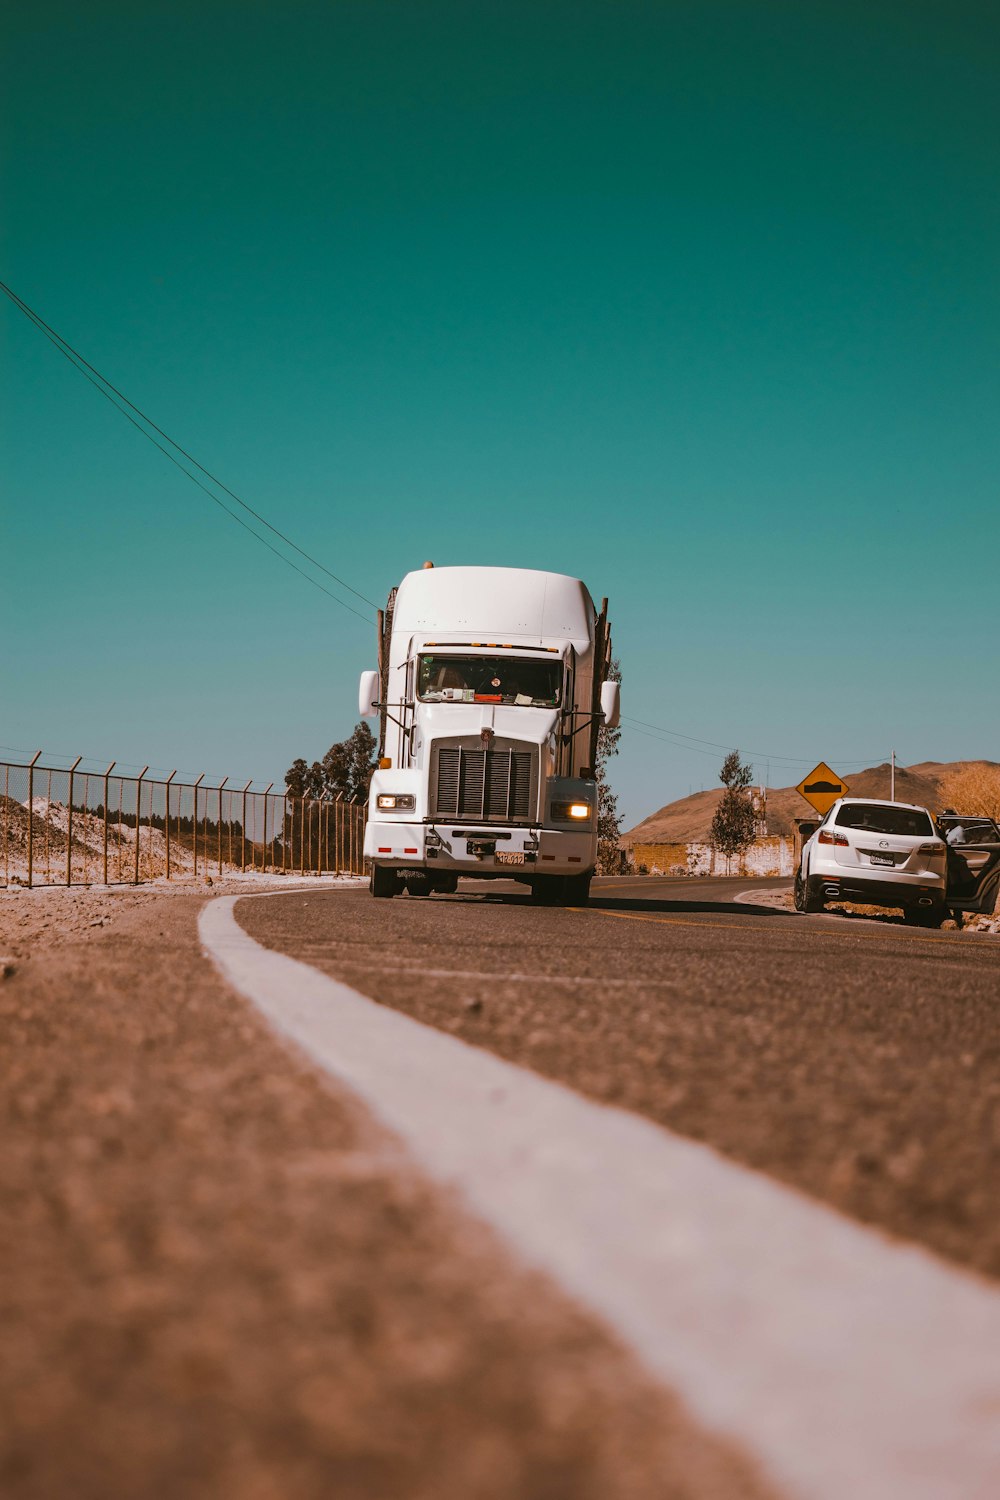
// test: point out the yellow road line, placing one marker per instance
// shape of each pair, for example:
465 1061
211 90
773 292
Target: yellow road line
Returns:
634 916
645 884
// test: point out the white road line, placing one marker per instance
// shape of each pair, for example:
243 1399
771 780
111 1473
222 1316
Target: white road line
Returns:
852 1367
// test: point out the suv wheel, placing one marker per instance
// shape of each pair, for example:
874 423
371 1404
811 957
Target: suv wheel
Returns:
803 901
925 916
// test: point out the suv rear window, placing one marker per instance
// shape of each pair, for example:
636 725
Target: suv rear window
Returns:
888 819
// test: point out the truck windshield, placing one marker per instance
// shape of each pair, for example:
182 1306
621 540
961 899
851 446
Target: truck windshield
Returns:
486 679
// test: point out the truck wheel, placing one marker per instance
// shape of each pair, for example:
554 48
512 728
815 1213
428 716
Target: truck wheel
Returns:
547 890
419 884
383 882
576 889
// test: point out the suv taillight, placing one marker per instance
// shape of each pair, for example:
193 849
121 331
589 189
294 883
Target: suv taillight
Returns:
826 837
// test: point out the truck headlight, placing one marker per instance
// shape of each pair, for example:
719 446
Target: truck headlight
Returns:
570 812
394 802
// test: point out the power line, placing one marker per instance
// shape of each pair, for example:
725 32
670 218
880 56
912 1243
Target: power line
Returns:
120 401
676 737
98 762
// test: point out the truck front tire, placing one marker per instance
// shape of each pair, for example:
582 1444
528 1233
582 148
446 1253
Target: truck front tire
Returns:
576 889
383 882
561 890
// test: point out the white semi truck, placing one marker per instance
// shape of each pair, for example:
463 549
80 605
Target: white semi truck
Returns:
491 688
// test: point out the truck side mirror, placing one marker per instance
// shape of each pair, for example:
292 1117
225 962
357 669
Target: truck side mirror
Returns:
368 694
611 704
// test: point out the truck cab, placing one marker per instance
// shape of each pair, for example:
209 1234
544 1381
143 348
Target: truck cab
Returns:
490 692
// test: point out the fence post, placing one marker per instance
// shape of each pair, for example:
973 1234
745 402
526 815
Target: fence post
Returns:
194 825
31 814
69 825
48 824
243 831
221 785
263 842
166 817
106 811
138 810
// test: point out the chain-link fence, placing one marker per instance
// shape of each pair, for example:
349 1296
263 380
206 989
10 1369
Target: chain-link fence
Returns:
74 826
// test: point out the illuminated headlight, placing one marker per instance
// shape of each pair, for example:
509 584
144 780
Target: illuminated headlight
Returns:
393 802
570 812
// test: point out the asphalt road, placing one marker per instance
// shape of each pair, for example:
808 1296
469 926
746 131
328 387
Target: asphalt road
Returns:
855 1059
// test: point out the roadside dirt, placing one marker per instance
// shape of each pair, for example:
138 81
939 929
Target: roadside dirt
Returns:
219 1279
783 901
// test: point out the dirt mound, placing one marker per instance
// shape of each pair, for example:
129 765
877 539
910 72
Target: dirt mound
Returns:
689 820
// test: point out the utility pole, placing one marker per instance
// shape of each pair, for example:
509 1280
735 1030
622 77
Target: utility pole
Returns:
892 777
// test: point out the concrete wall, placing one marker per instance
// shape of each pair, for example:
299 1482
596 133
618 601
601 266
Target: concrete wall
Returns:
771 856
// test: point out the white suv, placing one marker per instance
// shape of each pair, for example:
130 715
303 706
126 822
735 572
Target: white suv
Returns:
879 853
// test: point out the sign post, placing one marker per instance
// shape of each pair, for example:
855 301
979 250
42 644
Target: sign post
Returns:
821 788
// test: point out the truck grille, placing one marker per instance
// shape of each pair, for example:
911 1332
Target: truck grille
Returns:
480 784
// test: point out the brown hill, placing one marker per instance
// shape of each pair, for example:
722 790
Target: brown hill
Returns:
689 820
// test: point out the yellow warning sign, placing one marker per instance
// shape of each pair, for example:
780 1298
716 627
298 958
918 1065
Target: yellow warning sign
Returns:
822 787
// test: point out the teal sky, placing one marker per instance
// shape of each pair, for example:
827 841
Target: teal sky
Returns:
698 302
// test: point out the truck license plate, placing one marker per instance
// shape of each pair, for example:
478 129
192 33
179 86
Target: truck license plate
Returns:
511 857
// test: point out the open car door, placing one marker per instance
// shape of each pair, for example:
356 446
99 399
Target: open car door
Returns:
973 862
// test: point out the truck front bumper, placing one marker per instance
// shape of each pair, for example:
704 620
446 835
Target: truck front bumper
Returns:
478 849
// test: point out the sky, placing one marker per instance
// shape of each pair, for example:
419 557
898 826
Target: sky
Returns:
699 302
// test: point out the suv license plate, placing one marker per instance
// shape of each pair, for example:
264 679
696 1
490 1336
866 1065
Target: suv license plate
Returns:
511 857
881 859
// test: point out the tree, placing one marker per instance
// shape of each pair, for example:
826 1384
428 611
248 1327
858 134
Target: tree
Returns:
295 778
734 823
344 771
608 817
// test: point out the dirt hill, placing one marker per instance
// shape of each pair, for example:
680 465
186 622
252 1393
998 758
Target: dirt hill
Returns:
689 820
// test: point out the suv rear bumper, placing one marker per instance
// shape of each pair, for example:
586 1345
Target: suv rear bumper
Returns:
877 892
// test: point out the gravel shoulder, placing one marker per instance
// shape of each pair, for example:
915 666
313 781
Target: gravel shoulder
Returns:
218 1278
